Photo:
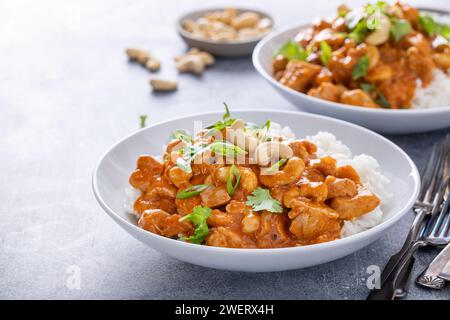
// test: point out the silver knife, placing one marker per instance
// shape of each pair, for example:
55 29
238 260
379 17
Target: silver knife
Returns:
445 273
437 272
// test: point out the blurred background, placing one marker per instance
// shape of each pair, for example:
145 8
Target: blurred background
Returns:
67 93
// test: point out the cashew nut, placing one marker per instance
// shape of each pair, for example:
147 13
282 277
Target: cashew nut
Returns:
207 58
242 140
153 64
374 56
270 151
163 85
191 63
238 124
245 20
138 55
381 34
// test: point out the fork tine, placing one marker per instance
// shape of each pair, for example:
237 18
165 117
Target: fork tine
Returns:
439 173
445 228
434 226
427 173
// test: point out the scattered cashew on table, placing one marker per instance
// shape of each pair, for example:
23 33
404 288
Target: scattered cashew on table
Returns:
194 61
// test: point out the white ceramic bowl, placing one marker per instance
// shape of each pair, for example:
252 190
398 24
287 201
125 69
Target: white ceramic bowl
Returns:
381 120
237 48
111 174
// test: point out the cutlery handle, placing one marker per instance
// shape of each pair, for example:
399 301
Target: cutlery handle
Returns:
398 277
411 237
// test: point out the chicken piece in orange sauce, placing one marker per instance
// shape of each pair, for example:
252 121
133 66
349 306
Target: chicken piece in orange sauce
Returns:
375 56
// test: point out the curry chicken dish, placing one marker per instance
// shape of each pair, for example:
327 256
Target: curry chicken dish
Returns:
375 56
235 184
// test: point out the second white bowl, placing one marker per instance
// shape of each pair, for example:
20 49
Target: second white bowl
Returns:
381 120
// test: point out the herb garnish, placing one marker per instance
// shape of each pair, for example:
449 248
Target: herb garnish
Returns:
292 50
220 125
381 100
233 173
225 148
262 200
192 191
182 135
325 52
143 119
433 28
198 217
400 28
361 67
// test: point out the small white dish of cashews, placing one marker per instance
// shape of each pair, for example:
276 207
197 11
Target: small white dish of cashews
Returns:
275 244
226 32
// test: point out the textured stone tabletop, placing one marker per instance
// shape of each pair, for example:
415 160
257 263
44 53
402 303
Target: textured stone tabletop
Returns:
67 93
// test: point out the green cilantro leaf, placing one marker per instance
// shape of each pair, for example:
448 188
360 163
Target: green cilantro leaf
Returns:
292 50
325 52
192 191
361 67
381 100
367 87
262 200
400 28
233 172
143 119
198 217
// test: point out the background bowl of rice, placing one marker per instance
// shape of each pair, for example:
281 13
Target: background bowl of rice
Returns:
384 167
431 105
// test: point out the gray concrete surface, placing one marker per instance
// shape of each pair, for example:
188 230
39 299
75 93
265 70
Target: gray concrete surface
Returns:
67 93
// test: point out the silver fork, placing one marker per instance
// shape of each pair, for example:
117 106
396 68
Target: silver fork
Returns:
435 232
435 172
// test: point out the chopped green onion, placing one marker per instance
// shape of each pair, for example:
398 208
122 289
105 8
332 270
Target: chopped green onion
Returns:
433 28
184 164
143 119
233 172
428 24
182 135
192 191
224 148
227 112
325 52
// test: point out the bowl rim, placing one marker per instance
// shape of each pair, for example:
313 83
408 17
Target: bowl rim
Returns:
187 34
325 103
372 232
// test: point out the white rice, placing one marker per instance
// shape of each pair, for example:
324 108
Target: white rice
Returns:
131 195
327 145
436 94
367 168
